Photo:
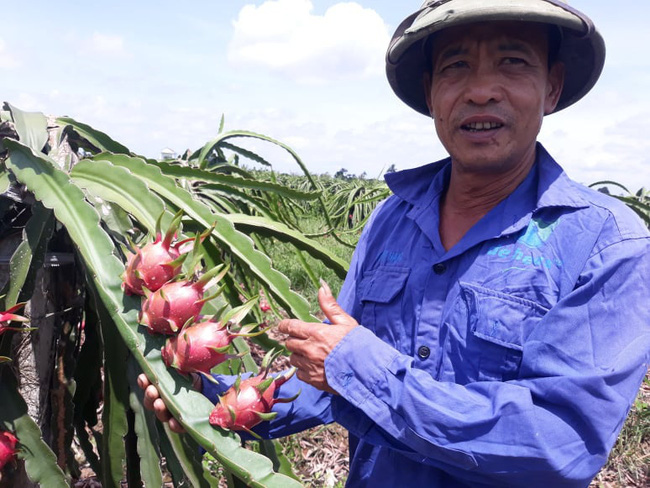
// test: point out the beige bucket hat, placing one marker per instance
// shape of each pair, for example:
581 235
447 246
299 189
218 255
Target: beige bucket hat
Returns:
582 49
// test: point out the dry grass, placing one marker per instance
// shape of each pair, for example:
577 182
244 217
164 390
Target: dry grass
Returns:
629 463
319 456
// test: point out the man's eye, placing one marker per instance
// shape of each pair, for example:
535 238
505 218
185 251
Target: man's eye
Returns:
454 65
514 61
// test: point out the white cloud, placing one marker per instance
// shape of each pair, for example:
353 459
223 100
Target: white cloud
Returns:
106 44
284 36
601 140
28 102
7 61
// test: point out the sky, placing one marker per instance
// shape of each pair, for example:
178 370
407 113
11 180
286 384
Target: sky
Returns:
309 73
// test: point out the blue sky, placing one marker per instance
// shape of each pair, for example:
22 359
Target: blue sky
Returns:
309 73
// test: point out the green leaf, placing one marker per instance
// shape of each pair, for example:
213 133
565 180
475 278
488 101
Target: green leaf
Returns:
217 142
89 138
31 127
245 152
145 429
40 462
5 179
178 171
29 256
116 402
268 228
609 182
118 185
173 465
188 454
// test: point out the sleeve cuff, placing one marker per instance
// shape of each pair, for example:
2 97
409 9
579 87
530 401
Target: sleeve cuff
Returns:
357 364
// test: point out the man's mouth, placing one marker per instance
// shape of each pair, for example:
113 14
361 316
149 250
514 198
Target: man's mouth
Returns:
481 126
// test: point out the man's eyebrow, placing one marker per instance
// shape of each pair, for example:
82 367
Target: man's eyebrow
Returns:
450 52
517 46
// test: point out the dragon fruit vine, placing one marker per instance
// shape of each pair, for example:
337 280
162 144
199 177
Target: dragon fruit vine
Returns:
249 402
199 347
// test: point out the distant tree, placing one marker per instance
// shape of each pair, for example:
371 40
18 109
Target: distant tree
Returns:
342 174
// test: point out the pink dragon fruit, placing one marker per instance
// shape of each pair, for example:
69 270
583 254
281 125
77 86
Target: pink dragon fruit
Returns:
177 303
8 443
156 262
200 347
9 316
249 402
265 306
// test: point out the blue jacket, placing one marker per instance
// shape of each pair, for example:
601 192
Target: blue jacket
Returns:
510 360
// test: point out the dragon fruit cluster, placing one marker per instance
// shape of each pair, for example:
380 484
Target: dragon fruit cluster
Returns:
171 305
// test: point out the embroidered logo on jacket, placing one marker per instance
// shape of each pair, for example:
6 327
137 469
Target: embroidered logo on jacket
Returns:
537 233
528 251
390 257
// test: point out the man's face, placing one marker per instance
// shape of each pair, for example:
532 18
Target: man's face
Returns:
489 90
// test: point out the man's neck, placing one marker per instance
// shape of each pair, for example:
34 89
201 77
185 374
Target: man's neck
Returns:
470 196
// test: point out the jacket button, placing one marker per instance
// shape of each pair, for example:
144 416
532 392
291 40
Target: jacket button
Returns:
423 352
439 268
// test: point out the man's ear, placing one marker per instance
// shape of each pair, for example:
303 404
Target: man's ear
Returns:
555 83
426 86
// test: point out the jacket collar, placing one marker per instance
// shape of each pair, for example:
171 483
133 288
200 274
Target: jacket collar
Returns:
420 186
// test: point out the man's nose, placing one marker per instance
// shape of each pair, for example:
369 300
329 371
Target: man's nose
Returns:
483 86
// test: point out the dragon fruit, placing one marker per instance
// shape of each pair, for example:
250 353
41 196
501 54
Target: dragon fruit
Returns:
177 303
156 262
249 402
8 443
200 347
9 316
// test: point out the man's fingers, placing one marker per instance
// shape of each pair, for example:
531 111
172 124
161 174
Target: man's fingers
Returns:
332 310
160 409
153 402
294 328
143 381
150 396
175 426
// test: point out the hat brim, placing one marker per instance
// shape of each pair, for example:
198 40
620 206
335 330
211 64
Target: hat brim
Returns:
582 49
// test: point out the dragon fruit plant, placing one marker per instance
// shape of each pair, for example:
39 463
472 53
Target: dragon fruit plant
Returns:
9 316
178 303
6 318
201 346
8 450
157 262
249 402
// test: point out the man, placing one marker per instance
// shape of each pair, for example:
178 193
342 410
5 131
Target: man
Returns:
503 308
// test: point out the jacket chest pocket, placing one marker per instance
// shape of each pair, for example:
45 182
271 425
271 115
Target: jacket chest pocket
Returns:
381 292
486 335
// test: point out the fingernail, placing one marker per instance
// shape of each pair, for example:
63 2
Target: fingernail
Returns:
325 286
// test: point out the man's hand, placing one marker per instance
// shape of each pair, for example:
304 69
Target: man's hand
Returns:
153 402
311 343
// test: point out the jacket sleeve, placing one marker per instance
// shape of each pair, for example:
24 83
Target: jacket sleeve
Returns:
551 426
